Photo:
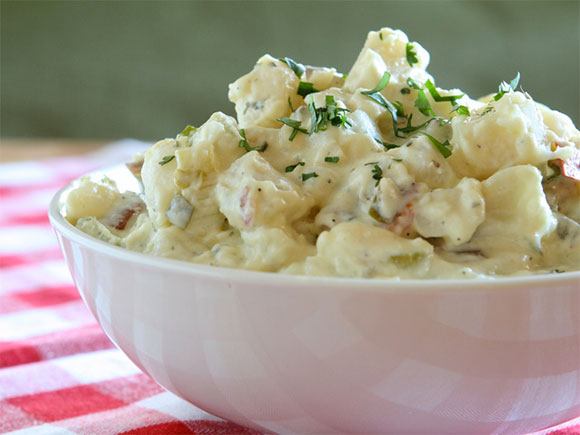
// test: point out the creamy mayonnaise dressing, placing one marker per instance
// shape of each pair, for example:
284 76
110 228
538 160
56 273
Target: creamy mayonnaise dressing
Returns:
377 173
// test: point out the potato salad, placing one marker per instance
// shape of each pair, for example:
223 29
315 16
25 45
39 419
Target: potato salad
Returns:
371 174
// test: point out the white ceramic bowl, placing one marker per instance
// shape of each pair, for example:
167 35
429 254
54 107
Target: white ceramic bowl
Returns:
317 355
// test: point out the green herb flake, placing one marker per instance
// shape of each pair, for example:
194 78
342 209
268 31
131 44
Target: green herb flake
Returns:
441 147
377 174
320 116
292 167
381 36
305 88
309 175
295 125
166 160
378 98
387 145
398 160
487 110
405 91
332 159
461 110
507 87
411 55
188 129
380 86
400 109
290 105
413 128
298 68
437 96
336 115
413 84
422 103
245 145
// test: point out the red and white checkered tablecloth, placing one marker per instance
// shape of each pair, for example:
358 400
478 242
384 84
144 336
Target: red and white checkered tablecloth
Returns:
59 373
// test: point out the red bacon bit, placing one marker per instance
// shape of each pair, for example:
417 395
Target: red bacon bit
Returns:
244 205
125 215
135 168
570 168
403 220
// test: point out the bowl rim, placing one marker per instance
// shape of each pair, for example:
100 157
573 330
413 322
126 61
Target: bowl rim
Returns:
69 231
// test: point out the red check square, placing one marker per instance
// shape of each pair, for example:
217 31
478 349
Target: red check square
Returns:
66 403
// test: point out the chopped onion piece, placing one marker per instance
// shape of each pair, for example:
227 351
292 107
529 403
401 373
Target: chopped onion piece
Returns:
179 212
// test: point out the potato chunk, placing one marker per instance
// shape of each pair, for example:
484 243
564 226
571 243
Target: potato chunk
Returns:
262 95
91 199
358 250
453 214
512 132
516 207
252 193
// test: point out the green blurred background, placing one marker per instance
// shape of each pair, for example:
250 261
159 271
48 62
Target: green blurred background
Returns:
144 69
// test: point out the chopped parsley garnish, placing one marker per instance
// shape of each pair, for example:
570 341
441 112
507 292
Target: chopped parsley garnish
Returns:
412 83
295 125
292 167
441 147
290 104
305 88
336 114
380 86
411 55
245 145
487 110
400 109
461 110
309 175
422 103
437 96
410 128
381 36
375 95
298 68
378 98
507 87
332 159
377 174
397 160
188 129
387 145
166 160
405 91
320 116
396 109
